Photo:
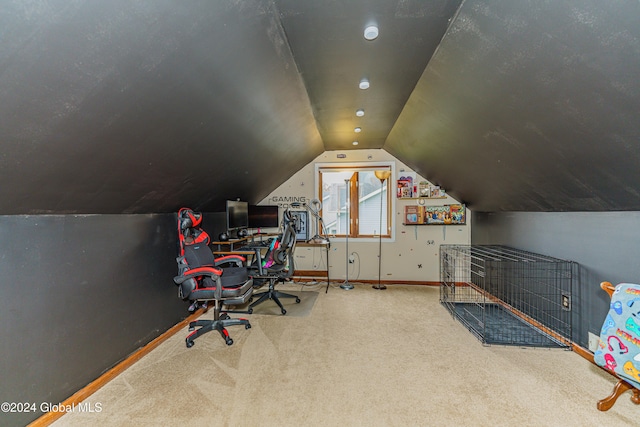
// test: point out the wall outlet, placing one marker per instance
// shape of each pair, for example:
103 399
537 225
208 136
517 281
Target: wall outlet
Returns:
593 342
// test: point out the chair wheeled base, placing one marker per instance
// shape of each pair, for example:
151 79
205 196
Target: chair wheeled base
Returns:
274 295
221 319
219 325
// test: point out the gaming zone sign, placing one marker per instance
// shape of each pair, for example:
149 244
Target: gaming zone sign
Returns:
288 201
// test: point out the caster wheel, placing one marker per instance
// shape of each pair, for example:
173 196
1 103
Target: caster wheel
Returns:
190 344
191 328
284 311
251 299
229 341
247 326
250 311
298 300
224 316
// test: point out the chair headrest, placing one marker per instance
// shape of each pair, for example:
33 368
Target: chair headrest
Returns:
189 218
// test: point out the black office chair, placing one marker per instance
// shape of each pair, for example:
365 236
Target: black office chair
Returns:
277 265
202 278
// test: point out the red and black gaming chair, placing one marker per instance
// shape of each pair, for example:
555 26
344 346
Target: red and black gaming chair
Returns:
201 277
189 232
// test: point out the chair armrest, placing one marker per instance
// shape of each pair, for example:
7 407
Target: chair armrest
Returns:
258 260
212 272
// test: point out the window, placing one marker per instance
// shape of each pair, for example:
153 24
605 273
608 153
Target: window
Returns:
354 201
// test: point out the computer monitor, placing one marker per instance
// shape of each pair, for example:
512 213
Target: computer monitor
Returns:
237 215
263 216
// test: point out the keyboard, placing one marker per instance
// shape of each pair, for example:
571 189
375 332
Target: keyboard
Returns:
256 244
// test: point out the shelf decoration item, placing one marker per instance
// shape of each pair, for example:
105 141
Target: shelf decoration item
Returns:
445 215
436 191
405 186
414 214
435 215
424 189
458 214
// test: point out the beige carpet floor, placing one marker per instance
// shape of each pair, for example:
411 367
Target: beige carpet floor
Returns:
361 357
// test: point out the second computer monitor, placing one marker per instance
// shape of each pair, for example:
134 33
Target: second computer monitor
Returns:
263 216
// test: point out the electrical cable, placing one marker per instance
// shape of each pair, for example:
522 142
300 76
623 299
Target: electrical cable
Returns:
358 264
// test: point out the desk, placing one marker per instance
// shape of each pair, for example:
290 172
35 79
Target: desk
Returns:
241 242
247 247
247 255
223 253
231 242
326 247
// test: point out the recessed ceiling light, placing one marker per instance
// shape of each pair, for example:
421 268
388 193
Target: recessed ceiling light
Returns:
358 130
371 32
355 142
360 112
364 84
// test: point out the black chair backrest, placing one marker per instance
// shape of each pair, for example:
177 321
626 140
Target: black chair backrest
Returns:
189 231
198 255
283 255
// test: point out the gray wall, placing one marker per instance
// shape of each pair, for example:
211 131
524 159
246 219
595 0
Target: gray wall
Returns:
78 294
605 244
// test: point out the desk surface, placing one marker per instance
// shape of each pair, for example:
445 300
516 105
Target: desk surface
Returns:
311 244
233 252
252 237
232 241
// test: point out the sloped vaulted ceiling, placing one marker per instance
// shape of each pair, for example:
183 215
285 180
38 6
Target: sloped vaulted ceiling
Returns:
531 106
129 107
137 107
326 38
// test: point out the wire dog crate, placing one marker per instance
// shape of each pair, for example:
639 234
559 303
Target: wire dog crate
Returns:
508 296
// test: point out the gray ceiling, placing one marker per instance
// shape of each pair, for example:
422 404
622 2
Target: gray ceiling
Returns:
138 107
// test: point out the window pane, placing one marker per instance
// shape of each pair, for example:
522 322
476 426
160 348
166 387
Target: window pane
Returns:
370 203
334 198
